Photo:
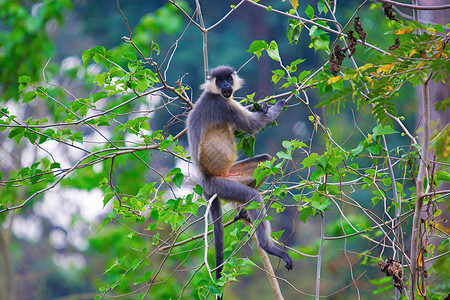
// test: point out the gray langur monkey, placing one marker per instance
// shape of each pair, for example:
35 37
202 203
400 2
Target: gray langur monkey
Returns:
211 126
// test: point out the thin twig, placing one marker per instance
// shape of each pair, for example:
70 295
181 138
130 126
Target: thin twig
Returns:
319 258
418 7
267 267
205 235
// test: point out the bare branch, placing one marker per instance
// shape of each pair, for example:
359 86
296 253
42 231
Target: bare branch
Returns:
418 7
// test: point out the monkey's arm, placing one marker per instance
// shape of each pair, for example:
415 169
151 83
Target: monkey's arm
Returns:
252 122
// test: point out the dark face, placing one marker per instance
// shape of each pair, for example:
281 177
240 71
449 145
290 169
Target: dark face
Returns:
225 84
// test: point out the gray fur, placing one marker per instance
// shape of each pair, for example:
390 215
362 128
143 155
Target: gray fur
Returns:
212 109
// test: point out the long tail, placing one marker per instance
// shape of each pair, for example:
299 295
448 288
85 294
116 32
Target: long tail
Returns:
216 216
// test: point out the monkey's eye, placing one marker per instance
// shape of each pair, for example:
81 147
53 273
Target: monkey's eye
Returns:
229 79
219 81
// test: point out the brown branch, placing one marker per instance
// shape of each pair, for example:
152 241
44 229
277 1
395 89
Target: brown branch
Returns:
268 267
420 190
419 7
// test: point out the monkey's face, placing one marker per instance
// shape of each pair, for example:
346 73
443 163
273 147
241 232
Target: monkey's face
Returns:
225 84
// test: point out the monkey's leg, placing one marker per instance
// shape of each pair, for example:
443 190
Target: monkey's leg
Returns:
216 216
240 193
263 234
254 160
242 171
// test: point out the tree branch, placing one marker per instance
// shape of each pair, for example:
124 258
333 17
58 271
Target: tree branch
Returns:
419 7
268 267
420 190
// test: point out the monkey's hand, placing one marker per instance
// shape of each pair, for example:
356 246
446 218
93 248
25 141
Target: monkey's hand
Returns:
259 107
281 103
276 110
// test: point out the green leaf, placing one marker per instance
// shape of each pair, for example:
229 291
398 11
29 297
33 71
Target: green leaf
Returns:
387 181
155 47
257 47
309 161
23 82
144 278
174 171
129 56
107 197
321 206
322 7
100 79
214 290
319 39
374 148
302 75
283 155
146 189
383 289
55 166
380 130
145 125
252 205
320 44
165 144
358 149
443 176
135 264
246 144
24 79
76 137
142 83
86 57
277 234
155 214
97 96
309 11
189 208
439 28
16 133
260 173
273 52
293 66
294 30
287 145
277 75
305 213
99 50
198 190
28 96
178 179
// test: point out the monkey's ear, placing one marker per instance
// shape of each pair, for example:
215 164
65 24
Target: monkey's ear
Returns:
210 86
238 82
206 86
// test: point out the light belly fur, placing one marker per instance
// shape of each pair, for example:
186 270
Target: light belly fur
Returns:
217 151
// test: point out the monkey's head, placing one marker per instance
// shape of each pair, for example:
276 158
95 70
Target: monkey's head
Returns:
223 81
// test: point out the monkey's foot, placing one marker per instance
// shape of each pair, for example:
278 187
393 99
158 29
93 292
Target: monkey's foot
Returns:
242 215
271 249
